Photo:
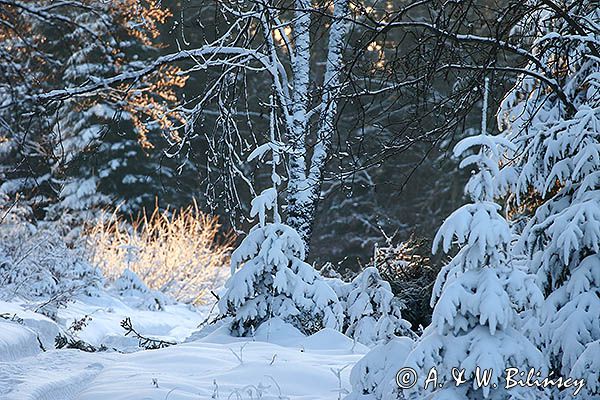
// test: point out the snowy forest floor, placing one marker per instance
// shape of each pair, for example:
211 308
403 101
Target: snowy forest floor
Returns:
277 363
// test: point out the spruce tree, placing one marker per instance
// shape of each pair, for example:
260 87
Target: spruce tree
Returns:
69 159
373 314
475 324
109 149
553 178
269 275
477 298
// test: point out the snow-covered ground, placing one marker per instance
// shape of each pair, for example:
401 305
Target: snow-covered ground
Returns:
277 363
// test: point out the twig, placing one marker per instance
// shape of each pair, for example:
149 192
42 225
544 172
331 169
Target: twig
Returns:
143 341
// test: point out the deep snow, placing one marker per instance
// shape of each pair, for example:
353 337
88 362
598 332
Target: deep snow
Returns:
277 363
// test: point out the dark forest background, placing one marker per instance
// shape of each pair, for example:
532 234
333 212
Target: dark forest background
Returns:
373 193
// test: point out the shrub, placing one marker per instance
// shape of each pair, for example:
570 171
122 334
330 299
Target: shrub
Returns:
180 253
373 314
37 265
411 277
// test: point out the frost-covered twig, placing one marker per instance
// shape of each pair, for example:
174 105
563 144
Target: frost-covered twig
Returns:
215 394
337 372
240 356
280 396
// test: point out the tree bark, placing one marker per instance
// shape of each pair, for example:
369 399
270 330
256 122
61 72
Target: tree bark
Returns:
304 189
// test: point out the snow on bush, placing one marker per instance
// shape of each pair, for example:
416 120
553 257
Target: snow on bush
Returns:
372 313
131 286
16 341
37 265
178 253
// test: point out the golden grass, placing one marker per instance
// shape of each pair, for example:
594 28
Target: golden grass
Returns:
180 252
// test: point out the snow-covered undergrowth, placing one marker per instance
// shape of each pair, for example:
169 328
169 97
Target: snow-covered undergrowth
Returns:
97 321
37 265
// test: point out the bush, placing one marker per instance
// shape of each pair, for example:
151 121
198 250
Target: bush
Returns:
373 314
37 265
411 277
181 252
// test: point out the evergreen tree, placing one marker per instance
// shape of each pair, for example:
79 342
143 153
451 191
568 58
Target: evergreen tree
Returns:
373 314
553 175
373 377
111 146
475 322
269 276
86 153
25 65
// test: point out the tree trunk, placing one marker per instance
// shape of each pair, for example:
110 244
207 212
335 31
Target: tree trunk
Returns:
297 204
304 190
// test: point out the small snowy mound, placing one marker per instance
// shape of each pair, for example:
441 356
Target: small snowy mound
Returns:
130 287
330 339
130 283
277 331
17 341
45 329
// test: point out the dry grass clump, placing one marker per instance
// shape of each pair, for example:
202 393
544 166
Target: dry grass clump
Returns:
179 252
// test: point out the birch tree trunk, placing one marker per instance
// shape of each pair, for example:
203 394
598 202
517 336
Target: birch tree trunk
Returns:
297 195
305 178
